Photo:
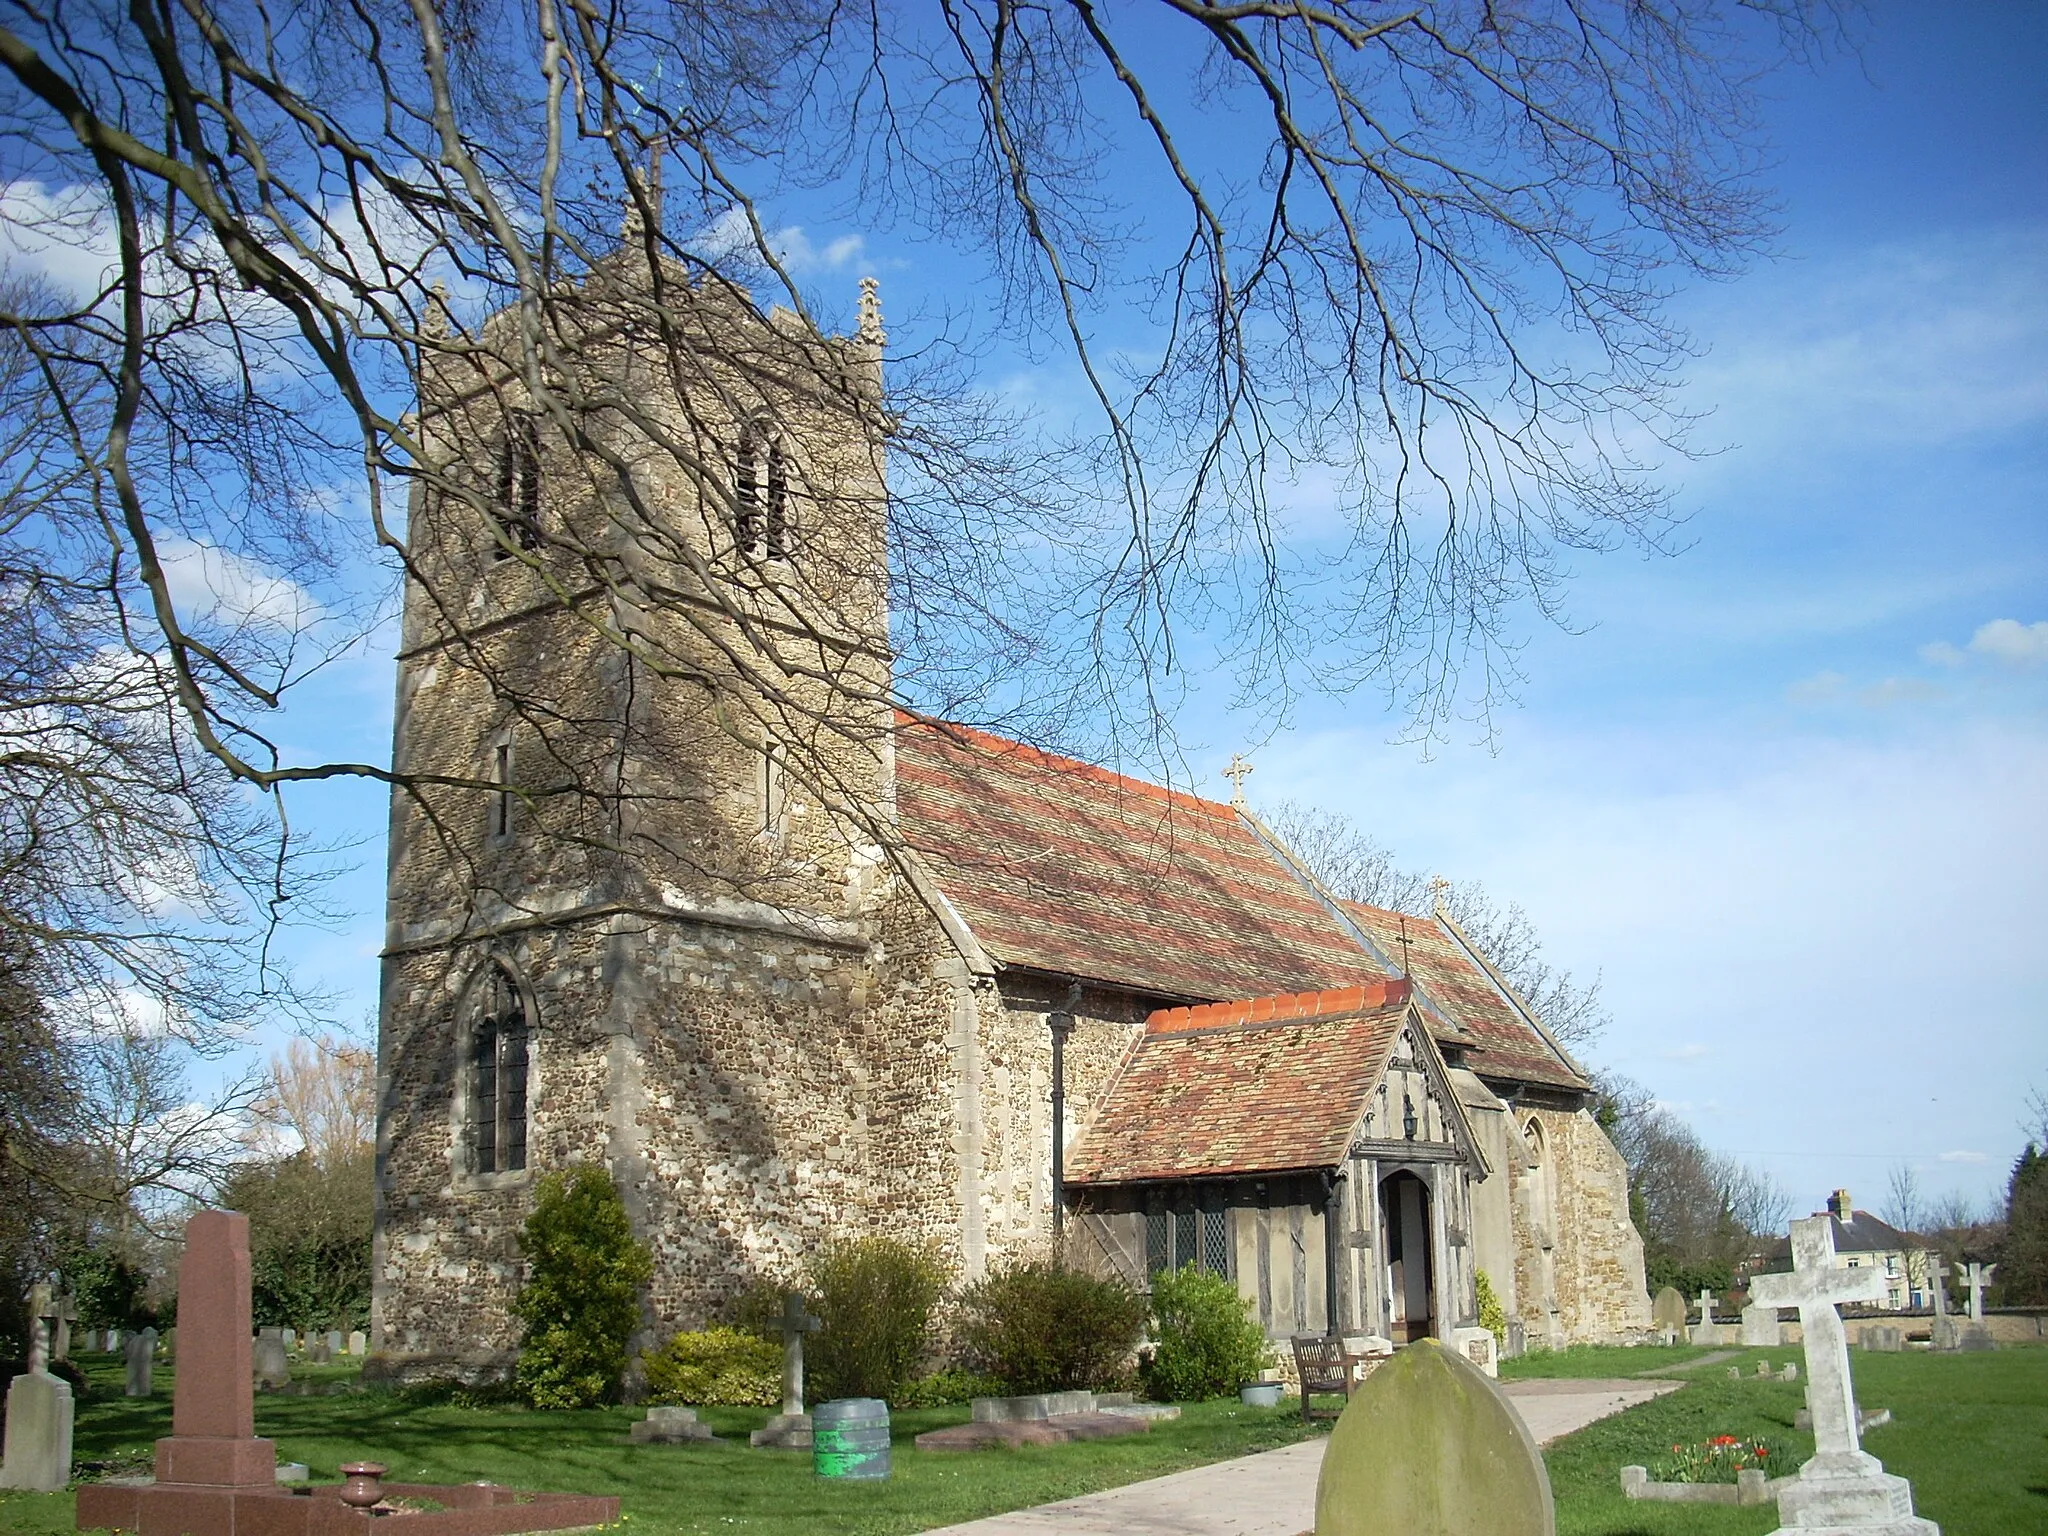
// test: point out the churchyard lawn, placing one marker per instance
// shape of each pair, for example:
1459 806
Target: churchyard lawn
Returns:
1971 1432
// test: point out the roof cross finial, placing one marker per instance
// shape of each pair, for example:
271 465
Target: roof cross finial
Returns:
1238 770
1439 891
871 311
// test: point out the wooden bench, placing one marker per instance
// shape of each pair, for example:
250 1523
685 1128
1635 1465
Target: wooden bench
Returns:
1323 1366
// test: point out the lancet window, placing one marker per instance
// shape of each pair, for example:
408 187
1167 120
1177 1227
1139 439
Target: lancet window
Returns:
500 1036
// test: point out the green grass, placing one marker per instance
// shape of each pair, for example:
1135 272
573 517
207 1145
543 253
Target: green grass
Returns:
1971 1432
727 1487
1608 1362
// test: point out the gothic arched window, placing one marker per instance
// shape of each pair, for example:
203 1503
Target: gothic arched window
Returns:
516 506
762 525
500 1036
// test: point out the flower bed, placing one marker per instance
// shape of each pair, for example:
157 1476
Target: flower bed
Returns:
1721 1459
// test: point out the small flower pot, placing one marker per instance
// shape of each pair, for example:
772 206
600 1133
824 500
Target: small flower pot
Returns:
1260 1394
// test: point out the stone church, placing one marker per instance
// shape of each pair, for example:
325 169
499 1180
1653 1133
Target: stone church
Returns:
676 889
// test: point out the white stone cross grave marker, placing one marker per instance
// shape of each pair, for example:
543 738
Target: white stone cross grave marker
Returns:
1946 1336
1707 1308
1979 1277
41 1308
1843 1487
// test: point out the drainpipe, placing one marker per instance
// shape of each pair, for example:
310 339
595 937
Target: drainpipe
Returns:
1331 1205
1062 1025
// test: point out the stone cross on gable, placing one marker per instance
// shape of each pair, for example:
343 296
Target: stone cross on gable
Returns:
796 1322
1707 1307
1237 772
1979 1276
1815 1285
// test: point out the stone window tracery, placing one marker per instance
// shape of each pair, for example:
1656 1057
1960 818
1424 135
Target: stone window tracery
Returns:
516 503
499 1040
763 527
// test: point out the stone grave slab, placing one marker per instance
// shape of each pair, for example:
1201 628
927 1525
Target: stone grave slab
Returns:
141 1348
670 1426
1430 1444
359 1343
1759 1327
1479 1346
267 1361
1060 1429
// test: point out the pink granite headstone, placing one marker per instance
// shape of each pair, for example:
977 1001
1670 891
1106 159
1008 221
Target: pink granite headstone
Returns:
213 1410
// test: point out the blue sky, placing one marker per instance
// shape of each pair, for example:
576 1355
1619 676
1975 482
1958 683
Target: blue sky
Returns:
1784 790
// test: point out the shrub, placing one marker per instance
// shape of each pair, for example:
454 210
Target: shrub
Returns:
581 1300
1492 1316
875 1297
718 1368
943 1389
1039 1326
1210 1344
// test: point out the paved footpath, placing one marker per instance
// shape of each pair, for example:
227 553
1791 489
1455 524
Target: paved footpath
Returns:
1274 1493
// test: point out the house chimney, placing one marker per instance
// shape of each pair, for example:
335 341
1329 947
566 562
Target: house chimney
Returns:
1838 1205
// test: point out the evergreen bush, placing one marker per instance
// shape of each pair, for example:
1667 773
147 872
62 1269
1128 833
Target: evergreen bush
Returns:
1492 1316
875 1297
1210 1344
581 1300
1039 1326
718 1368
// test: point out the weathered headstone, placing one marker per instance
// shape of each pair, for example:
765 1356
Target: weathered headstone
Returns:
141 1349
37 1451
1977 1277
1759 1327
65 1315
1843 1488
317 1352
112 1343
1763 1370
289 1337
1667 1312
358 1343
1479 1346
1428 1444
1790 1373
267 1360
790 1430
1706 1333
1883 1340
1947 1334
669 1426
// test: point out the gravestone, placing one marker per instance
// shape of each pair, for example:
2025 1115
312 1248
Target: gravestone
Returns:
1884 1341
337 1341
317 1352
268 1362
1759 1327
1763 1370
1706 1333
37 1451
1429 1445
790 1430
110 1343
1843 1488
1977 1277
1947 1333
358 1343
1790 1373
65 1315
141 1349
1479 1346
669 1426
1667 1313
289 1337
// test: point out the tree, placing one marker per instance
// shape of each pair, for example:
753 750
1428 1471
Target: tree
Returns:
311 1209
1418 255
1701 1213
2023 1259
1353 866
1903 1207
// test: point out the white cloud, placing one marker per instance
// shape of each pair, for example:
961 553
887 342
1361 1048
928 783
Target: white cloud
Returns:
1920 342
63 235
205 579
2014 643
731 238
1964 1157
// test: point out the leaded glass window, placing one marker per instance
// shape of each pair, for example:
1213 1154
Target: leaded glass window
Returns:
498 1050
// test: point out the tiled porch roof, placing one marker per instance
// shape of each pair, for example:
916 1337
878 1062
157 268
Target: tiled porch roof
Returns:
1265 1085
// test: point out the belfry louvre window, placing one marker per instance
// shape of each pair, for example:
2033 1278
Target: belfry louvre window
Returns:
762 526
499 1040
517 500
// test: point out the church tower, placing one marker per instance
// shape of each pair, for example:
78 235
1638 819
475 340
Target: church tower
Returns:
638 913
